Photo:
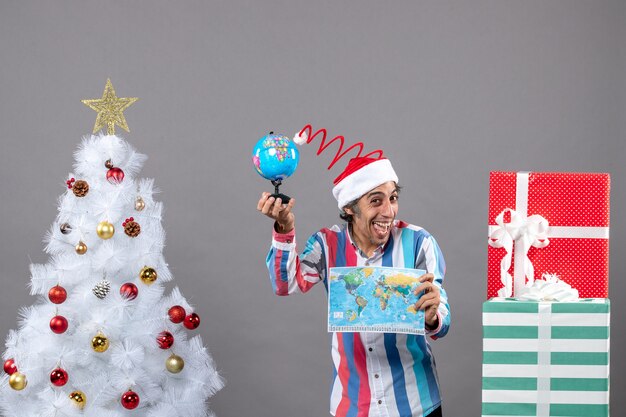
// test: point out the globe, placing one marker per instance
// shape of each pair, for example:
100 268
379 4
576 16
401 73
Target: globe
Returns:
275 157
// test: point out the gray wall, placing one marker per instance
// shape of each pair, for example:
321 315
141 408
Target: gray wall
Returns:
450 90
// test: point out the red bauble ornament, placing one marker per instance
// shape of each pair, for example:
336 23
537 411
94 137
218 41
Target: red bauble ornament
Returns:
115 175
130 400
192 321
165 340
129 291
57 294
177 314
59 377
10 367
58 324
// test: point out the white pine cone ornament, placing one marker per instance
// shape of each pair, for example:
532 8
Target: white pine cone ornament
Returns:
102 289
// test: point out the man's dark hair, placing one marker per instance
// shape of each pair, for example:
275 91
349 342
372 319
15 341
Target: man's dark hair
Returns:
353 205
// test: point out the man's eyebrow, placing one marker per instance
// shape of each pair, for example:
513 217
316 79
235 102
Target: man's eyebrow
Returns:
380 193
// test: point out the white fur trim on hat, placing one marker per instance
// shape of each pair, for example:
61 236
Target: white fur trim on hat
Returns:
365 179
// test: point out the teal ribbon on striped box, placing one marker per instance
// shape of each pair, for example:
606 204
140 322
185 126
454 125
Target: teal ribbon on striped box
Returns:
546 359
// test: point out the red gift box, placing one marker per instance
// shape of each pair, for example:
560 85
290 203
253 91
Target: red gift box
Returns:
548 222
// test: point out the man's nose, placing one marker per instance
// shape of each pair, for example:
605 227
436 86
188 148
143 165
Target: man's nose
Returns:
388 209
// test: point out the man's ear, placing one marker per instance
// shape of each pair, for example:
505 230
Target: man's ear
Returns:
348 211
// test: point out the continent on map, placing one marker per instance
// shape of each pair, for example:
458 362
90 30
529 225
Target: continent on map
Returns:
361 302
353 280
351 315
400 285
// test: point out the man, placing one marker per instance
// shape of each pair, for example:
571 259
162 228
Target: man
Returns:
375 374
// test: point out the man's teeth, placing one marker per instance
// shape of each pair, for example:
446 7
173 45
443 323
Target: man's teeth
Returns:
383 226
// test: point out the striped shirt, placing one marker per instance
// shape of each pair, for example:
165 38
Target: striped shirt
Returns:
374 374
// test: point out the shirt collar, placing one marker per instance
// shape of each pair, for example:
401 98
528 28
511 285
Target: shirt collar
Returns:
378 251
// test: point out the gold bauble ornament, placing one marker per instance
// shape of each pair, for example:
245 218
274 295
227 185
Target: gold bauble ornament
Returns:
174 364
105 230
18 381
79 399
100 343
148 275
81 248
140 204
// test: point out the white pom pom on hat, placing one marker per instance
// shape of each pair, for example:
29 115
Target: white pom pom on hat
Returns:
300 138
362 174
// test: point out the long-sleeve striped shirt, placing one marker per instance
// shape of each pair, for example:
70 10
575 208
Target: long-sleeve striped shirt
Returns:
375 374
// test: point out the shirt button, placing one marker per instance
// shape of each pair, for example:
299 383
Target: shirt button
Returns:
376 375
370 349
380 401
288 240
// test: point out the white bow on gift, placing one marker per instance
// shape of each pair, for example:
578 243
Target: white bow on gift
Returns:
525 232
549 288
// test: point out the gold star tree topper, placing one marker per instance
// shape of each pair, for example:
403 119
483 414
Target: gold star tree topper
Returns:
110 109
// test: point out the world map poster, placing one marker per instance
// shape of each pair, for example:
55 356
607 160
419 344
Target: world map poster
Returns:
374 299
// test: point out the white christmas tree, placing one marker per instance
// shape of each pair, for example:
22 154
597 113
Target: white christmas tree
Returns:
103 339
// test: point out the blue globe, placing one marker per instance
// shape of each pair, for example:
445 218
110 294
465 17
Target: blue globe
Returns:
275 157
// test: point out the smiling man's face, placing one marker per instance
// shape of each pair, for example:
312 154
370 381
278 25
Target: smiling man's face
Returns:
373 215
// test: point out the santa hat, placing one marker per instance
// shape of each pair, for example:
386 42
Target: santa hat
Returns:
362 174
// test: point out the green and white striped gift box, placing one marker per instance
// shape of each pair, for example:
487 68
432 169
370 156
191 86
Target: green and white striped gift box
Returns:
546 358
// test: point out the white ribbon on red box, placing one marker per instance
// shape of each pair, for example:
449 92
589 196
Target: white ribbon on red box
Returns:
525 231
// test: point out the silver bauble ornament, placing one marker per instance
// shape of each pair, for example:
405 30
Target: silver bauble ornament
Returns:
66 228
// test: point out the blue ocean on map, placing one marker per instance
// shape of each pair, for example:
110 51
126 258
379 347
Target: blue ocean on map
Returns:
374 299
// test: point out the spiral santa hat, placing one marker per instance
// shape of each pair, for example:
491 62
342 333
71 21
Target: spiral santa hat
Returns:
362 174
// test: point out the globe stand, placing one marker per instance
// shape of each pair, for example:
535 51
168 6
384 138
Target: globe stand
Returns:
277 194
